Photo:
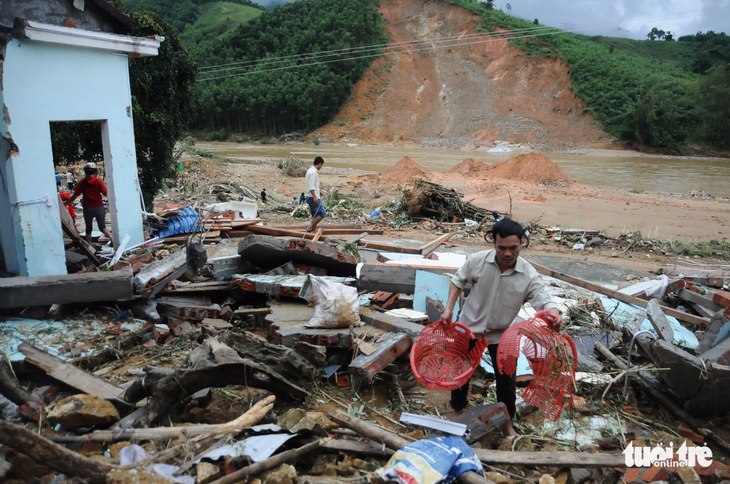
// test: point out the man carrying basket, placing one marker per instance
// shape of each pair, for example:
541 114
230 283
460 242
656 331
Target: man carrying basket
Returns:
502 282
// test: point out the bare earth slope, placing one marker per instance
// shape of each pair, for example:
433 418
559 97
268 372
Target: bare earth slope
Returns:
464 95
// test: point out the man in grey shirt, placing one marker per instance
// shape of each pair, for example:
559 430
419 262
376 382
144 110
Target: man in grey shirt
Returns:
502 282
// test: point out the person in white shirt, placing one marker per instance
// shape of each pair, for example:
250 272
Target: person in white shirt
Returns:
502 282
314 200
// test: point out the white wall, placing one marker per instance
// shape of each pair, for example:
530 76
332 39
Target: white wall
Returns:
45 82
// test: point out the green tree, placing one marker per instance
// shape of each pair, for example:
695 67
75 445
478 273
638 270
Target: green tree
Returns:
714 99
162 98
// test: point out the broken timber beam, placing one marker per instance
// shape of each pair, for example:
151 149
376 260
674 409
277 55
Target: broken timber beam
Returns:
427 249
68 373
69 288
137 435
550 459
689 318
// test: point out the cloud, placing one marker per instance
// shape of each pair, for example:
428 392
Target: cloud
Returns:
619 18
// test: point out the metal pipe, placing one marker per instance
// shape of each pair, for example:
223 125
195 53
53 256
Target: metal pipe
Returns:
628 366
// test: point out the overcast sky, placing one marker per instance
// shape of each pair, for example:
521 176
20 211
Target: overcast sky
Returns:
620 18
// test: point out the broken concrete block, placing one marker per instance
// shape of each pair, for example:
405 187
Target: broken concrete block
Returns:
390 323
226 313
281 285
388 347
483 419
82 411
719 353
223 266
180 327
216 325
159 333
717 325
659 321
266 252
187 308
153 278
376 276
696 298
434 308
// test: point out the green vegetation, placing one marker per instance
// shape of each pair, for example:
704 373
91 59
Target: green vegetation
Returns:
182 14
276 97
659 93
216 18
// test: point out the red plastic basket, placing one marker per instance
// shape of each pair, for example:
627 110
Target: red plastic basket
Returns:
552 356
441 359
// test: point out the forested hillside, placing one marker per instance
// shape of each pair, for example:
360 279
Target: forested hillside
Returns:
183 14
656 93
246 80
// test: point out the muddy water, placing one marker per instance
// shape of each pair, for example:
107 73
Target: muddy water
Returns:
600 168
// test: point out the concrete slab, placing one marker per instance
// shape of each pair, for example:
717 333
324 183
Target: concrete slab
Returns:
434 286
284 285
71 288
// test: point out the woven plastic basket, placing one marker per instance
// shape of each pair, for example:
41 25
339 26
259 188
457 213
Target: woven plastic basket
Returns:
552 356
441 359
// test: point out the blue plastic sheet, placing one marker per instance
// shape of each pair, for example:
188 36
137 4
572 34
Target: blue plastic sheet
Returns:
431 461
185 222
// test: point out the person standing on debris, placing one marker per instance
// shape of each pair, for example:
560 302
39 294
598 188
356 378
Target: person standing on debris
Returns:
502 282
314 200
70 180
263 195
92 189
302 198
59 179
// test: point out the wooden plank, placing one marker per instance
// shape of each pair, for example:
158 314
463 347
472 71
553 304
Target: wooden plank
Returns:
253 311
550 459
69 228
436 241
68 374
435 246
689 318
69 288
317 235
368 244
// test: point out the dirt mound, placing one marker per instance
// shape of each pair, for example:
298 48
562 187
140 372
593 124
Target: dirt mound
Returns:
403 171
470 167
531 167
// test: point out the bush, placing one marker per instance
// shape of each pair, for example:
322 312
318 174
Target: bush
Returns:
220 135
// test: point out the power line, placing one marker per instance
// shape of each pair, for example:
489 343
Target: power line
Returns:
431 44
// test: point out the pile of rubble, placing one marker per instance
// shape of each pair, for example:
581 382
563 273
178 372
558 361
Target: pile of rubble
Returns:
218 370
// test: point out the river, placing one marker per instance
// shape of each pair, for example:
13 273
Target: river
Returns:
619 169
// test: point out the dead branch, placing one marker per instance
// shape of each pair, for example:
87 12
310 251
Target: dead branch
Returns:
52 455
214 364
269 463
664 400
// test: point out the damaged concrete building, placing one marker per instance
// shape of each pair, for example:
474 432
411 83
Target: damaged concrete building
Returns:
63 60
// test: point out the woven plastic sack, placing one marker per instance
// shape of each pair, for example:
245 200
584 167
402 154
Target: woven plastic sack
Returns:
552 357
441 360
335 305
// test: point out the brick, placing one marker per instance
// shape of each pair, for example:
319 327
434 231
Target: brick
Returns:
715 282
146 258
654 474
226 313
159 333
632 474
688 434
722 298
675 285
